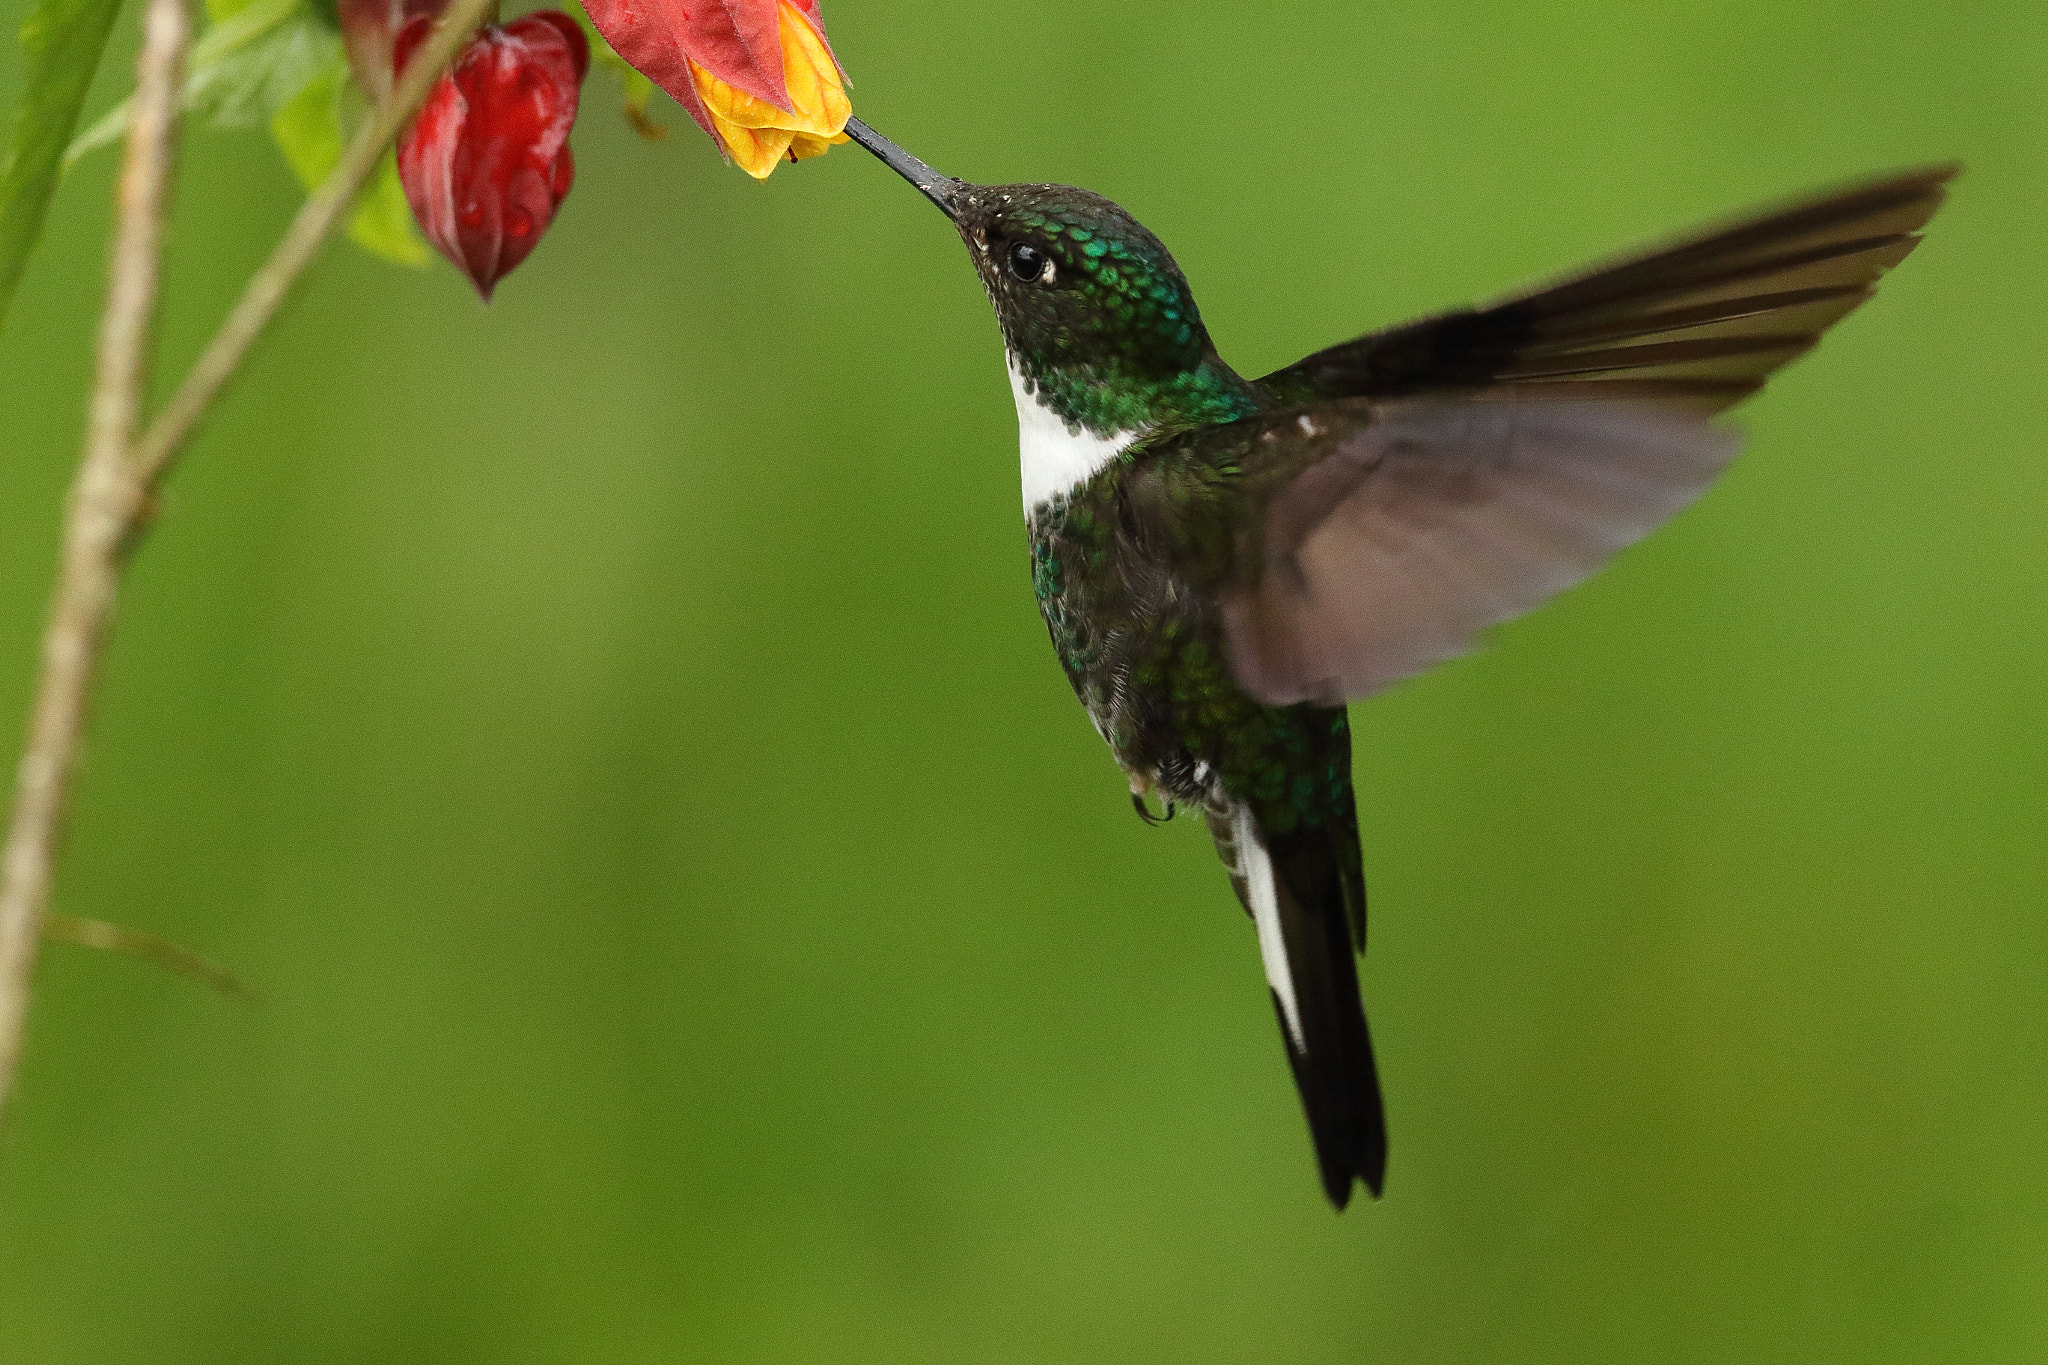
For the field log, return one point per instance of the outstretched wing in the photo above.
(1704, 320)
(1357, 544)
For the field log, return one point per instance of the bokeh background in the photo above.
(613, 729)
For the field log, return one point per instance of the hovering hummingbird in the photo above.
(1224, 562)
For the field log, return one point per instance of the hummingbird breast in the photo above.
(1124, 632)
(1145, 653)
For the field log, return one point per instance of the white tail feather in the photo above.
(1255, 869)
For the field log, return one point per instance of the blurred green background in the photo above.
(614, 730)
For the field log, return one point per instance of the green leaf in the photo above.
(268, 51)
(383, 219)
(61, 45)
(311, 130)
(306, 129)
(249, 63)
(275, 60)
(220, 11)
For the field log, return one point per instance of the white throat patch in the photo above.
(1055, 461)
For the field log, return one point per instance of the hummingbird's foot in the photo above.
(1138, 804)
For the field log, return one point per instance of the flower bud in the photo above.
(486, 163)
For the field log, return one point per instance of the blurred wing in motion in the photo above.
(1703, 321)
(1511, 450)
(1437, 519)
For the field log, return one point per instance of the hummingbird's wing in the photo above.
(1350, 545)
(1704, 320)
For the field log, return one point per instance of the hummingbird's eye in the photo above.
(1027, 262)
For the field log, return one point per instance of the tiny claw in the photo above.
(1138, 804)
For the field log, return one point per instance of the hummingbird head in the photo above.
(1100, 325)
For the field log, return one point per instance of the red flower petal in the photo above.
(735, 40)
(572, 34)
(486, 163)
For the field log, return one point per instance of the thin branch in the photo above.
(159, 446)
(172, 957)
(104, 500)
(118, 472)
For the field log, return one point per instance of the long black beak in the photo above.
(935, 187)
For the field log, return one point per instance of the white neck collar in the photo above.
(1054, 459)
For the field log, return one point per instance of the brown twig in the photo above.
(118, 473)
(135, 943)
(103, 503)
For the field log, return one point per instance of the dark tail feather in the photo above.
(1304, 892)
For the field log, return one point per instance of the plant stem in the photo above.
(103, 504)
(158, 449)
(114, 938)
(119, 472)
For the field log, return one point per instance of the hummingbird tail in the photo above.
(1305, 893)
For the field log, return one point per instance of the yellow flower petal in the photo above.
(758, 151)
(813, 77)
(804, 146)
(757, 133)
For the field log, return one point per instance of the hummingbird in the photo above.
(1223, 562)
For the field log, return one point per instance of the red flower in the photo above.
(756, 74)
(486, 163)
